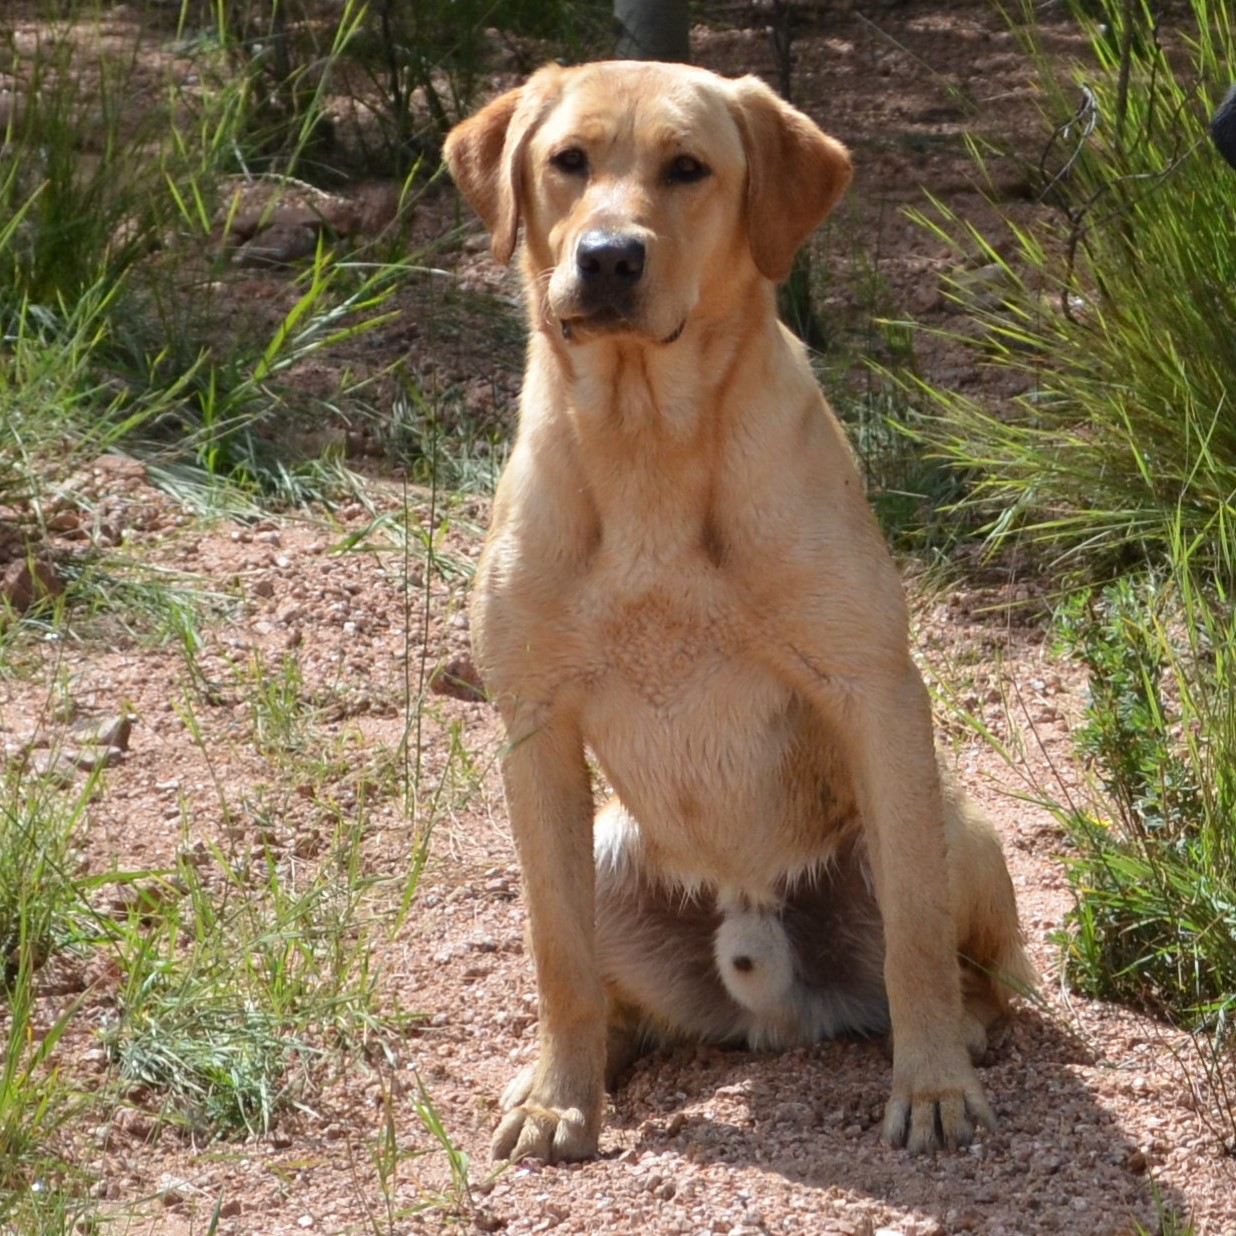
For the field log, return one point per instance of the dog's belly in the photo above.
(727, 772)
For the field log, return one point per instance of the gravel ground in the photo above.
(1104, 1115)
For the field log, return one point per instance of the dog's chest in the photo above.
(689, 726)
(659, 628)
(664, 648)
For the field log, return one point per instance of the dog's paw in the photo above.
(518, 1088)
(532, 1129)
(942, 1117)
(551, 1134)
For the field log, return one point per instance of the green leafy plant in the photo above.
(1154, 866)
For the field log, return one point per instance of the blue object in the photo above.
(1223, 127)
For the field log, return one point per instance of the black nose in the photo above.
(610, 258)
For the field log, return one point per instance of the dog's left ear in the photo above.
(795, 174)
(485, 156)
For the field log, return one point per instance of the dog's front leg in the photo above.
(881, 713)
(553, 1109)
(936, 1096)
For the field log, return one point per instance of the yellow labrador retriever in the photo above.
(682, 577)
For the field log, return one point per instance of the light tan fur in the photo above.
(682, 576)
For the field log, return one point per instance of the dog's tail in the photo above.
(756, 960)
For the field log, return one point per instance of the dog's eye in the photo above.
(572, 160)
(686, 170)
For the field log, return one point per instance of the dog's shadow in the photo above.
(1059, 1161)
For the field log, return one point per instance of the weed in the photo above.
(231, 994)
(436, 441)
(277, 705)
(390, 1159)
(458, 1197)
(35, 1104)
(42, 912)
(1170, 1222)
(116, 304)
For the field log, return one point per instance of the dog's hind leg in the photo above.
(994, 964)
(655, 951)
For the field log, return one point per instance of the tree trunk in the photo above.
(653, 29)
(794, 295)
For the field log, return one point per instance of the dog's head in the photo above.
(647, 192)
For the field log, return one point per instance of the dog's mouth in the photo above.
(574, 330)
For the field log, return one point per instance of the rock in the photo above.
(64, 521)
(984, 287)
(133, 1122)
(175, 1190)
(280, 245)
(112, 732)
(29, 582)
(459, 679)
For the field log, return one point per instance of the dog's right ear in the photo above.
(485, 156)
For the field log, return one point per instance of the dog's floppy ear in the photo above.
(795, 174)
(485, 155)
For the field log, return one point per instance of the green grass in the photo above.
(247, 969)
(117, 301)
(232, 986)
(243, 977)
(42, 913)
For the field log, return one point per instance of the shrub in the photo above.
(1153, 865)
(1115, 311)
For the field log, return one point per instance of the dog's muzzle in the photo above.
(609, 266)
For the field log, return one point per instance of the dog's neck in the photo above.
(644, 422)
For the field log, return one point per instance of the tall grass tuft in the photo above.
(42, 911)
(1114, 313)
(118, 302)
